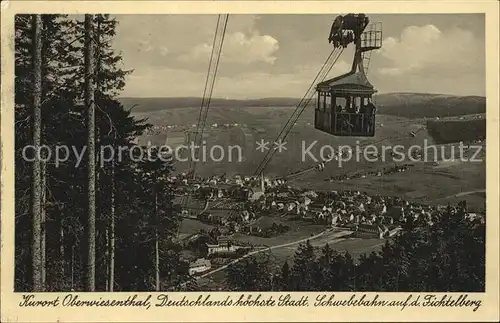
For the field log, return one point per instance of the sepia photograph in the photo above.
(194, 184)
(335, 152)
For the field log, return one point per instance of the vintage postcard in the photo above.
(263, 161)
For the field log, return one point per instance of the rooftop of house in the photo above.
(223, 239)
(200, 262)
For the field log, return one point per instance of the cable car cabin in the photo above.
(344, 106)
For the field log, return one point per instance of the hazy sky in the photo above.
(279, 55)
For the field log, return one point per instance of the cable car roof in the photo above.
(346, 82)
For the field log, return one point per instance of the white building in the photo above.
(199, 266)
(224, 245)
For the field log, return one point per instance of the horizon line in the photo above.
(291, 97)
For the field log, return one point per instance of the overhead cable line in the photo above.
(303, 103)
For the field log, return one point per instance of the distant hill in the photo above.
(157, 104)
(409, 105)
(421, 105)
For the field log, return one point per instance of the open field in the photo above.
(298, 230)
(190, 226)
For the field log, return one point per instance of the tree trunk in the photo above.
(37, 126)
(106, 255)
(97, 56)
(157, 251)
(90, 106)
(73, 266)
(112, 231)
(62, 260)
(43, 222)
